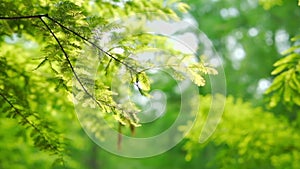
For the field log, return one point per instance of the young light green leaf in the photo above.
(296, 99)
(295, 38)
(211, 71)
(290, 50)
(293, 85)
(274, 100)
(41, 64)
(196, 78)
(143, 81)
(287, 94)
(290, 58)
(296, 80)
(183, 7)
(279, 69)
(273, 87)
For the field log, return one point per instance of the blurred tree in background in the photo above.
(249, 38)
(247, 137)
(259, 45)
(252, 37)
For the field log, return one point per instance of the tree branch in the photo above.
(74, 72)
(23, 17)
(67, 57)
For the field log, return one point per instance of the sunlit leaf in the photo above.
(143, 81)
(279, 69)
(196, 78)
(290, 58)
(183, 7)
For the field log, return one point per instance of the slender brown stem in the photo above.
(120, 136)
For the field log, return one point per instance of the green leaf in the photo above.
(287, 94)
(290, 50)
(42, 63)
(290, 58)
(274, 100)
(196, 78)
(274, 87)
(267, 4)
(143, 81)
(279, 69)
(296, 99)
(211, 71)
(183, 7)
(295, 80)
(293, 85)
(295, 38)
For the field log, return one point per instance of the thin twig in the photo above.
(22, 17)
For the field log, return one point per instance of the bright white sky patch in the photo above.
(186, 43)
(263, 85)
(253, 32)
(239, 53)
(282, 40)
(269, 38)
(229, 12)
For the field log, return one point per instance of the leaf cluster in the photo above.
(286, 84)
